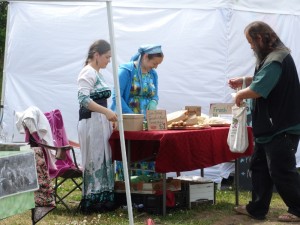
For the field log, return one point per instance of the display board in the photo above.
(20, 164)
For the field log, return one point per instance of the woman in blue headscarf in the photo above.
(138, 92)
(138, 81)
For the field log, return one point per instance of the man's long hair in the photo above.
(271, 41)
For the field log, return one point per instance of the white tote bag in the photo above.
(238, 134)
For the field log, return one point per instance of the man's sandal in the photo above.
(288, 217)
(242, 210)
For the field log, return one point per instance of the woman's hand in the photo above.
(111, 116)
(115, 125)
(152, 105)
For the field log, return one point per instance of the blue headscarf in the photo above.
(144, 49)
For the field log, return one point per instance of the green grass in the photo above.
(205, 214)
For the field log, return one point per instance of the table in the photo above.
(179, 150)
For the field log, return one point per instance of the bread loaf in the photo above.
(177, 116)
(192, 120)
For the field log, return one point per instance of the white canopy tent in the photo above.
(21, 23)
(203, 43)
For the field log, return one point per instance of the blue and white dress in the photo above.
(137, 102)
(94, 131)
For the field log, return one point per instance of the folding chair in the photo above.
(36, 127)
(46, 130)
(67, 167)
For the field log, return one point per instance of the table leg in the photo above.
(236, 181)
(164, 193)
(128, 159)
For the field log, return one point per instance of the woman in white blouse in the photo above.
(94, 130)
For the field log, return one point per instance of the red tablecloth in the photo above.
(179, 150)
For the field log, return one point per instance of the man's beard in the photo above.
(260, 54)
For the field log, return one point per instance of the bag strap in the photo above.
(244, 83)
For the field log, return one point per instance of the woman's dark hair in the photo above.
(151, 56)
(270, 39)
(100, 46)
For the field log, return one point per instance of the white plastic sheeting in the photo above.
(203, 43)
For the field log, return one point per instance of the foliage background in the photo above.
(3, 14)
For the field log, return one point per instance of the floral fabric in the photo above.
(44, 195)
(139, 99)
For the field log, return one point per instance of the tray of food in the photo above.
(184, 127)
(219, 124)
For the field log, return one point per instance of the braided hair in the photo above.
(100, 46)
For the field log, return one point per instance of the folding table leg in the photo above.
(236, 181)
(129, 158)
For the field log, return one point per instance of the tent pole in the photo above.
(119, 112)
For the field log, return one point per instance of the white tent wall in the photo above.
(46, 49)
(203, 43)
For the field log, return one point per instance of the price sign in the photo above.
(157, 119)
(193, 110)
(217, 109)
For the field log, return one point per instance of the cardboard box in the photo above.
(171, 184)
(133, 122)
(149, 188)
(199, 192)
(153, 203)
(120, 186)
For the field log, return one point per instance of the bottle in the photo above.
(145, 125)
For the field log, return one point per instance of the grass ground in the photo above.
(220, 213)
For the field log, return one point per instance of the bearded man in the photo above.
(275, 92)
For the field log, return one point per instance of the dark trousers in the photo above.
(274, 163)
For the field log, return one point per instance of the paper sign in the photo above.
(192, 110)
(216, 109)
(157, 119)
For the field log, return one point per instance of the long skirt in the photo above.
(98, 174)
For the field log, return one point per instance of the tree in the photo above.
(3, 16)
(3, 13)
